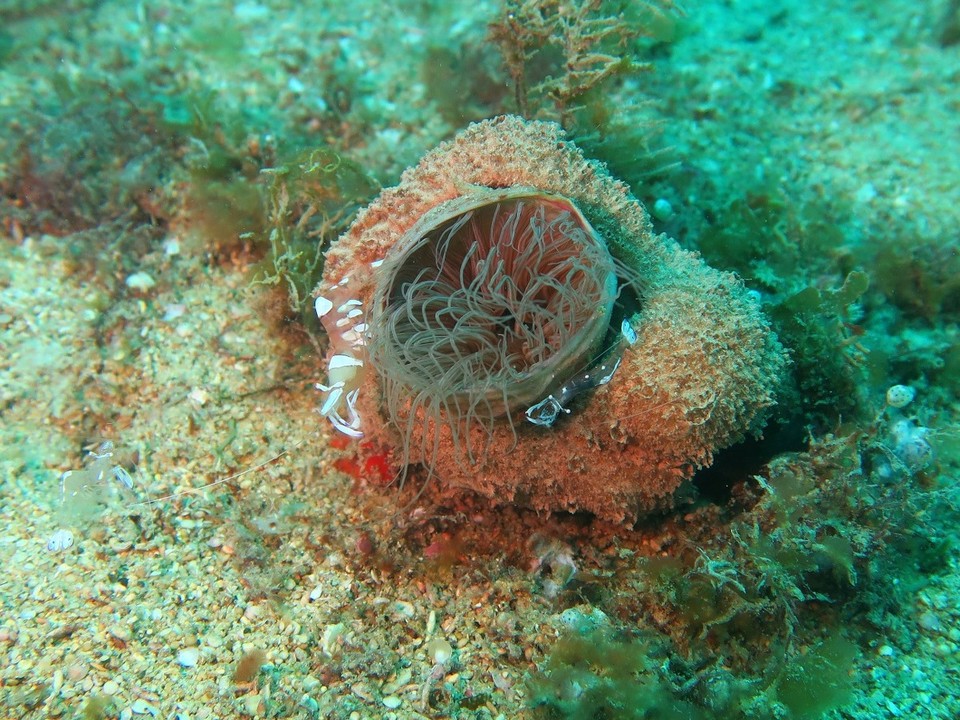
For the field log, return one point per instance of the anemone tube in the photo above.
(505, 270)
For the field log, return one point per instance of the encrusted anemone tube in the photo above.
(506, 318)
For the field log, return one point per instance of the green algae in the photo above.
(602, 674)
(774, 600)
(922, 278)
(767, 239)
(312, 200)
(820, 679)
(606, 674)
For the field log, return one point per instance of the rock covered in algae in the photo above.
(506, 273)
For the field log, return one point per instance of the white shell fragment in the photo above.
(140, 281)
(188, 657)
(142, 707)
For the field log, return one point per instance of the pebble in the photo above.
(899, 396)
(403, 609)
(392, 702)
(662, 209)
(439, 650)
(866, 193)
(929, 621)
(140, 281)
(331, 634)
(119, 633)
(251, 703)
(56, 684)
(402, 678)
(173, 311)
(142, 707)
(944, 649)
(110, 688)
(188, 657)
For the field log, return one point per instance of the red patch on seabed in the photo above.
(378, 464)
(349, 466)
(364, 465)
(340, 442)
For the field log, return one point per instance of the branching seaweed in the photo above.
(311, 201)
(556, 51)
(566, 61)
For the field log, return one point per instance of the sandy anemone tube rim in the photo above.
(489, 301)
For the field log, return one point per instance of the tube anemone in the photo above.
(467, 309)
(482, 308)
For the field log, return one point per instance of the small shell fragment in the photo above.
(188, 657)
(140, 281)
